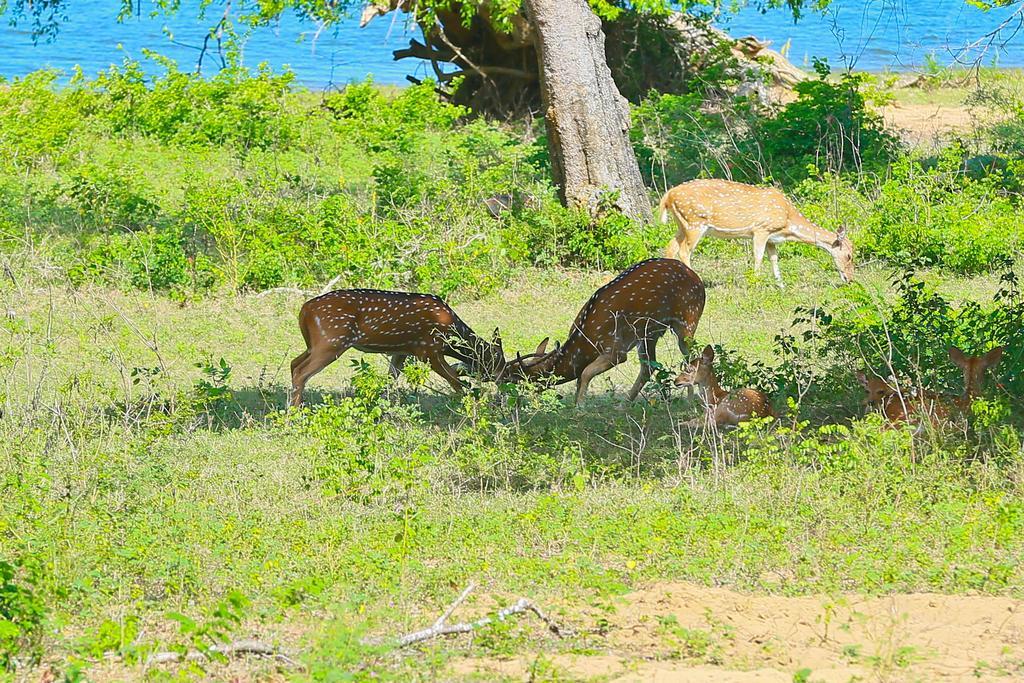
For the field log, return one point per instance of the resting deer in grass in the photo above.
(897, 405)
(633, 310)
(399, 324)
(726, 209)
(726, 408)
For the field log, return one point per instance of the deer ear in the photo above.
(542, 346)
(993, 357)
(957, 356)
(709, 353)
(558, 345)
(862, 378)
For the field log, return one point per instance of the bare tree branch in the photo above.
(234, 648)
(439, 628)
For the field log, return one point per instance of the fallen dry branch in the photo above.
(283, 290)
(298, 290)
(441, 628)
(232, 649)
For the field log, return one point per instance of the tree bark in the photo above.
(587, 118)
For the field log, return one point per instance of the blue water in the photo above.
(862, 34)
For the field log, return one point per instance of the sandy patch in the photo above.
(924, 122)
(683, 632)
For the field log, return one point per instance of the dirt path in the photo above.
(927, 123)
(682, 632)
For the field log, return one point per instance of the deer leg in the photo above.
(299, 359)
(317, 360)
(760, 244)
(648, 356)
(397, 363)
(691, 238)
(773, 257)
(684, 337)
(439, 365)
(673, 248)
(602, 363)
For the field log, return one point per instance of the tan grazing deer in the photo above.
(726, 408)
(722, 208)
(633, 310)
(898, 405)
(399, 324)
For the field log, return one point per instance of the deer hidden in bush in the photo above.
(898, 405)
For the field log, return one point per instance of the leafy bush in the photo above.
(160, 259)
(941, 217)
(36, 122)
(21, 614)
(829, 127)
(110, 197)
(681, 137)
(237, 106)
(911, 336)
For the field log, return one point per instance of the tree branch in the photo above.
(237, 647)
(420, 51)
(440, 628)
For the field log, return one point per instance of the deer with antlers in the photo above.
(724, 408)
(726, 209)
(633, 310)
(399, 324)
(898, 406)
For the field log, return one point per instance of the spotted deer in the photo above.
(399, 324)
(633, 310)
(725, 209)
(725, 408)
(898, 405)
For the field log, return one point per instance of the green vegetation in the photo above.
(156, 496)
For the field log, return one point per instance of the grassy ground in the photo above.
(145, 492)
(158, 498)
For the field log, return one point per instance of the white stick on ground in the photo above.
(440, 628)
(237, 647)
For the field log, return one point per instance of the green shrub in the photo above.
(110, 197)
(238, 106)
(36, 121)
(941, 217)
(829, 127)
(911, 336)
(21, 614)
(397, 125)
(154, 258)
(681, 137)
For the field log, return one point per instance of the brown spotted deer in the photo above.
(725, 408)
(633, 310)
(722, 208)
(399, 324)
(898, 405)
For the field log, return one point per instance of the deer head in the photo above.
(877, 388)
(518, 369)
(487, 359)
(699, 371)
(842, 254)
(974, 368)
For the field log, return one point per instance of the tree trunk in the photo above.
(587, 118)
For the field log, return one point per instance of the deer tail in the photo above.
(663, 208)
